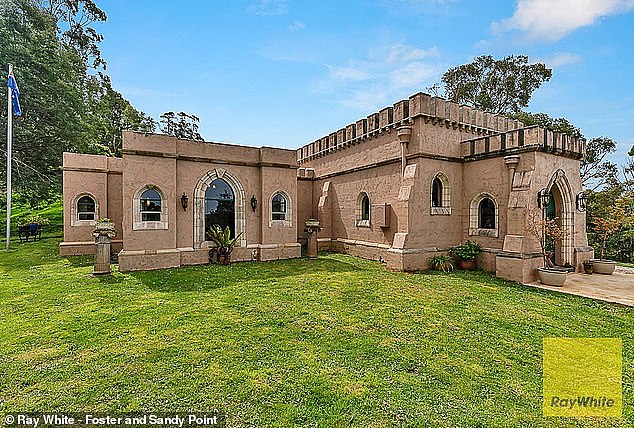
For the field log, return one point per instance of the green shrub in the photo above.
(441, 262)
(467, 251)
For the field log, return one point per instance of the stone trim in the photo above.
(137, 222)
(474, 217)
(74, 214)
(288, 221)
(100, 170)
(207, 160)
(199, 206)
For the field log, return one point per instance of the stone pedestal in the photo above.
(103, 233)
(312, 228)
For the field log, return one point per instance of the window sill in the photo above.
(363, 223)
(491, 233)
(280, 223)
(84, 223)
(440, 210)
(149, 225)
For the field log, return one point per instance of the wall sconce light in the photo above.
(582, 201)
(543, 198)
(184, 201)
(254, 203)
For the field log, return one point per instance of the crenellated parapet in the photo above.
(434, 110)
(523, 139)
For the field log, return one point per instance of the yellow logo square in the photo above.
(582, 377)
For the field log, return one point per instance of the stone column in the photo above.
(404, 134)
(103, 233)
(311, 228)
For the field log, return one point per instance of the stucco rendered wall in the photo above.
(100, 178)
(175, 167)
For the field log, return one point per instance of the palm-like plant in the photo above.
(223, 240)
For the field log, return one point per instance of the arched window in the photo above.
(220, 206)
(150, 204)
(440, 195)
(483, 216)
(363, 210)
(486, 214)
(278, 207)
(436, 193)
(86, 208)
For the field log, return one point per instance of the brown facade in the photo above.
(401, 185)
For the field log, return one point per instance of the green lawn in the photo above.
(338, 341)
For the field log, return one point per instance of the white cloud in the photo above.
(560, 59)
(348, 73)
(554, 19)
(269, 8)
(296, 26)
(387, 73)
(402, 53)
(412, 75)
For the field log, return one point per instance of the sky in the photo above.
(283, 73)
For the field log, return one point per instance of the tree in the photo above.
(77, 16)
(596, 172)
(50, 76)
(497, 86)
(619, 216)
(108, 114)
(628, 170)
(65, 107)
(180, 125)
(545, 230)
(559, 124)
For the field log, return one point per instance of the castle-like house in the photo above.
(401, 185)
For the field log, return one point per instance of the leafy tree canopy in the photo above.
(180, 125)
(497, 86)
(67, 105)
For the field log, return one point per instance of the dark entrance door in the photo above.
(551, 213)
(219, 206)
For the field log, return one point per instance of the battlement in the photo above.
(529, 138)
(433, 109)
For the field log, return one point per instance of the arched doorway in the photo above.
(560, 207)
(219, 207)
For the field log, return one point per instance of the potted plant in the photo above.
(441, 262)
(466, 254)
(104, 225)
(221, 253)
(604, 228)
(547, 230)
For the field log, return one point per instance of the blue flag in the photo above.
(15, 95)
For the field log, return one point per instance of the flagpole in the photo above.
(9, 144)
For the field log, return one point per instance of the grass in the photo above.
(338, 341)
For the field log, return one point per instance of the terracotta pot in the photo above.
(224, 259)
(467, 264)
(605, 267)
(552, 277)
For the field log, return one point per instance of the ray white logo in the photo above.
(587, 401)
